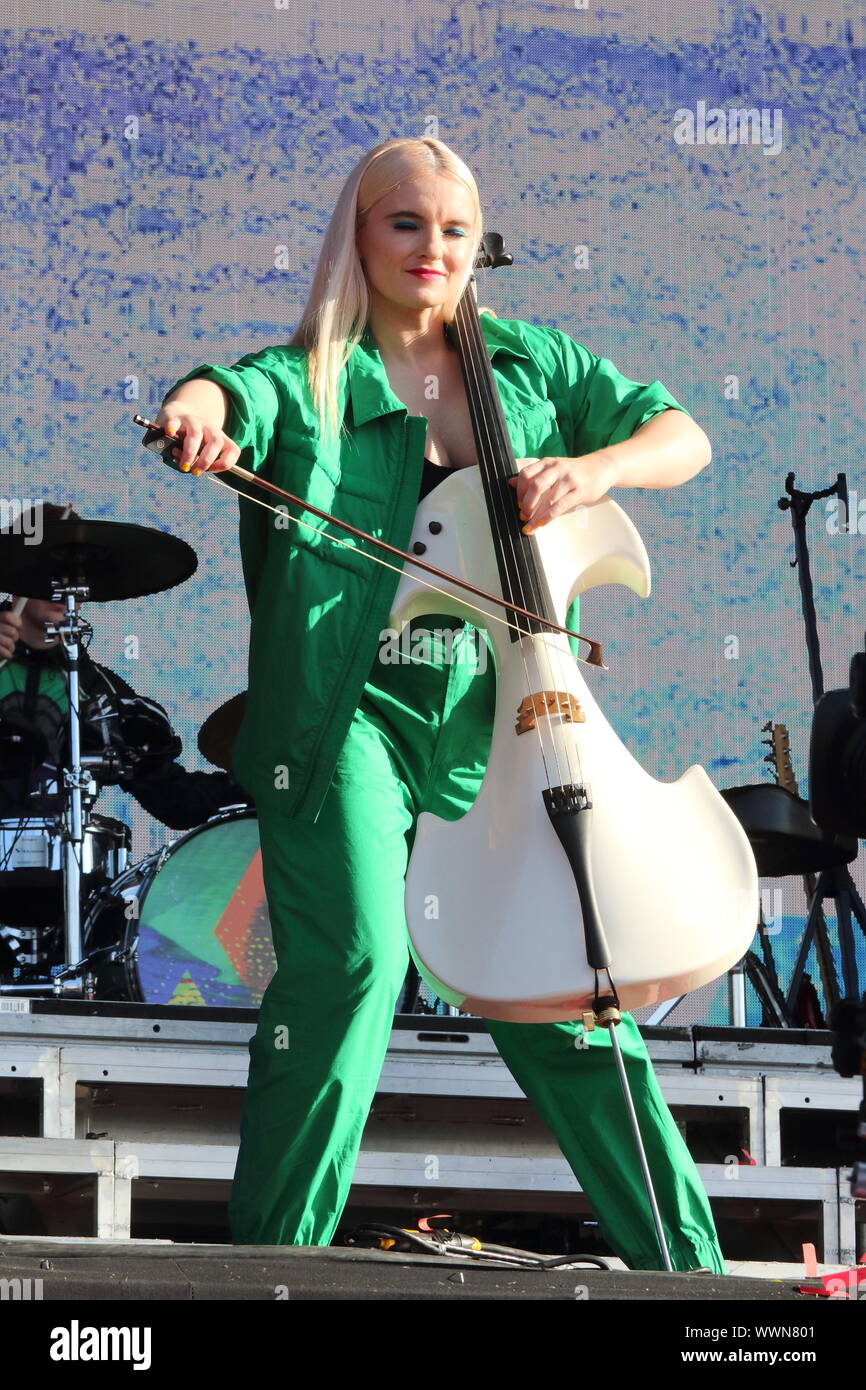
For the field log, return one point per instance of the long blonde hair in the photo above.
(336, 313)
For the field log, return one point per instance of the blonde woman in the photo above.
(341, 748)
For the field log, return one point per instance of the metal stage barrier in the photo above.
(108, 1110)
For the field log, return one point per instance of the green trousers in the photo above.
(419, 740)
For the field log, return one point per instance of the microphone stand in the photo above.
(835, 883)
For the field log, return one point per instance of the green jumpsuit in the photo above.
(417, 739)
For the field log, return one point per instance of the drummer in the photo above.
(33, 713)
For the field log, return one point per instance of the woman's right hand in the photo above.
(200, 447)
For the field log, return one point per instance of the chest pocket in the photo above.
(535, 431)
(349, 482)
(369, 467)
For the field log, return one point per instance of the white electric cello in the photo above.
(573, 860)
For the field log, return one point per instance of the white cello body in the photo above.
(494, 917)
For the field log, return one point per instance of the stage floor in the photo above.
(109, 1270)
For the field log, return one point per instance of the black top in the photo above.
(433, 474)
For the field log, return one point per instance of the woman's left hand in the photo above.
(550, 487)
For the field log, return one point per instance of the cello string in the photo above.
(477, 379)
(476, 353)
(472, 359)
(528, 556)
(504, 526)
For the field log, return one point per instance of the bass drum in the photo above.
(190, 925)
(191, 922)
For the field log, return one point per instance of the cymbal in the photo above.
(218, 732)
(114, 559)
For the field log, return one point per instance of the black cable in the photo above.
(511, 1256)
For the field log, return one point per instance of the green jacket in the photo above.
(318, 608)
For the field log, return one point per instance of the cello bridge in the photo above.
(548, 702)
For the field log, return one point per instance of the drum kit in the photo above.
(187, 924)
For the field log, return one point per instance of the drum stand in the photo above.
(68, 979)
(99, 561)
(76, 780)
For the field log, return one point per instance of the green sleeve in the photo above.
(595, 404)
(254, 406)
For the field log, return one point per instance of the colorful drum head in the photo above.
(204, 935)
